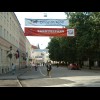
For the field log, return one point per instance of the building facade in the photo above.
(40, 55)
(28, 52)
(12, 42)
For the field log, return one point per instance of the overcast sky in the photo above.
(35, 40)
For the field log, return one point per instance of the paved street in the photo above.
(9, 80)
(60, 77)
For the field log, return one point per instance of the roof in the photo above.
(34, 47)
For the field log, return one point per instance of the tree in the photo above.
(88, 34)
(85, 45)
(54, 49)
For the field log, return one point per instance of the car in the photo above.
(73, 66)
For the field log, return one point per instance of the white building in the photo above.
(11, 39)
(40, 55)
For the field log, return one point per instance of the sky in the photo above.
(35, 40)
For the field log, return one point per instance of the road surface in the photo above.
(60, 77)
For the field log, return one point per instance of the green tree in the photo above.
(88, 34)
(84, 46)
(54, 49)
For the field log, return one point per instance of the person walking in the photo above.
(57, 65)
(13, 68)
(49, 69)
(36, 66)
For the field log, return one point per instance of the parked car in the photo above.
(73, 67)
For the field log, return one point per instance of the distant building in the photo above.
(39, 55)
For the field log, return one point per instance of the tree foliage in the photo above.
(85, 45)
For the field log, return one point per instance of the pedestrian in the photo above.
(36, 66)
(43, 63)
(31, 65)
(49, 69)
(57, 65)
(13, 68)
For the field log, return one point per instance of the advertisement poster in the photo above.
(46, 22)
(45, 31)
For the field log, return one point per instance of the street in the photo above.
(60, 77)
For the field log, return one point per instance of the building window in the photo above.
(7, 35)
(0, 30)
(4, 33)
(4, 14)
(0, 55)
(7, 23)
(10, 23)
(10, 37)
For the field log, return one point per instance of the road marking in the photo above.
(19, 83)
(41, 72)
(60, 85)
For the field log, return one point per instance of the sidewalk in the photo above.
(93, 69)
(9, 75)
(84, 68)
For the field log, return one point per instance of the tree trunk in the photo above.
(90, 63)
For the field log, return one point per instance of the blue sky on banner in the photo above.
(35, 40)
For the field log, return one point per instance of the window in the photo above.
(7, 23)
(0, 16)
(0, 55)
(4, 33)
(7, 35)
(7, 17)
(4, 14)
(10, 23)
(10, 37)
(0, 30)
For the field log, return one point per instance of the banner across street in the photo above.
(49, 32)
(46, 22)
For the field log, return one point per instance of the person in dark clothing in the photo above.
(13, 68)
(36, 66)
(57, 65)
(49, 69)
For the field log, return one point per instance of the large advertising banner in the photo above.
(46, 22)
(49, 32)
